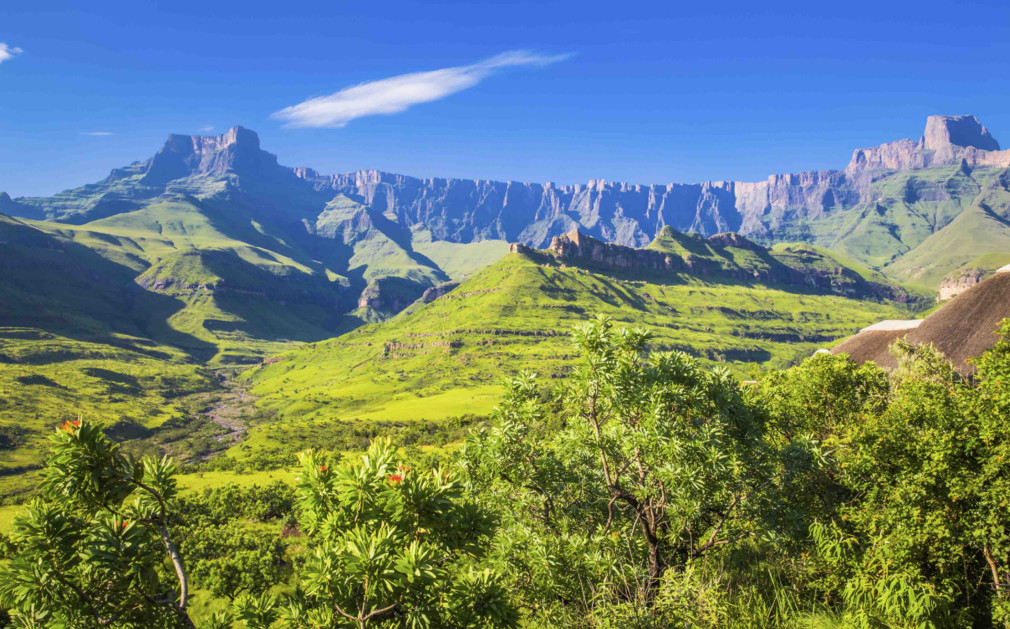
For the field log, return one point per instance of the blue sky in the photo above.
(631, 91)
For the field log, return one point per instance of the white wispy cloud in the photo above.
(207, 128)
(399, 93)
(97, 133)
(8, 52)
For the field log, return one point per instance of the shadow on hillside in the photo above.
(58, 286)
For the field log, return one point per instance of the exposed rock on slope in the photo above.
(971, 274)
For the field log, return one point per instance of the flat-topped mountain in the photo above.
(946, 140)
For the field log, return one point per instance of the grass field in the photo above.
(450, 356)
(46, 379)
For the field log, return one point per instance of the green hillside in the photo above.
(977, 230)
(46, 379)
(897, 212)
(448, 357)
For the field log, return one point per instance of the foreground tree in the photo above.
(640, 468)
(95, 550)
(388, 546)
(924, 540)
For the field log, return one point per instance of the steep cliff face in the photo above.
(783, 207)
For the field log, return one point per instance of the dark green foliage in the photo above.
(91, 551)
(659, 465)
(392, 546)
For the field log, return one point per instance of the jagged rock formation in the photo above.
(722, 257)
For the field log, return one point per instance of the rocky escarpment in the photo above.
(725, 256)
(462, 210)
(575, 246)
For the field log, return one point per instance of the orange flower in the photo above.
(615, 534)
(323, 469)
(124, 524)
(395, 478)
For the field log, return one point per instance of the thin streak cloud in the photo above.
(399, 93)
(97, 133)
(8, 52)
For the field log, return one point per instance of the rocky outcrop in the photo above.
(435, 292)
(389, 295)
(237, 151)
(952, 286)
(577, 246)
(711, 258)
(731, 239)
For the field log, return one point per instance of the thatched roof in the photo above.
(963, 328)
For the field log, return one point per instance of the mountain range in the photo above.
(884, 204)
(384, 297)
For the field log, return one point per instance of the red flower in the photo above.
(124, 524)
(68, 426)
(395, 478)
(323, 469)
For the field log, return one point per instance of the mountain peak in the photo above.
(946, 140)
(965, 131)
(235, 151)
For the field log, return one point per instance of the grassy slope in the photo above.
(906, 208)
(459, 260)
(157, 243)
(46, 379)
(449, 357)
(973, 232)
